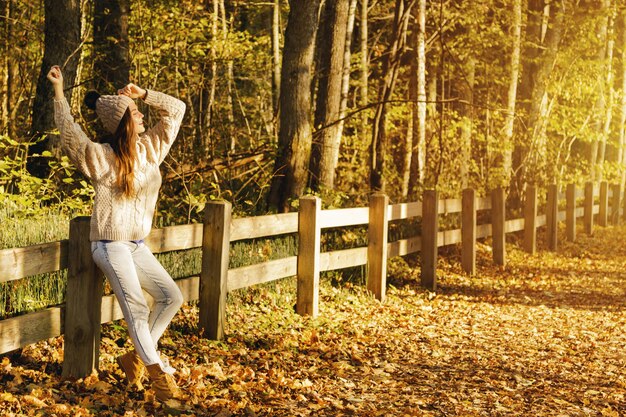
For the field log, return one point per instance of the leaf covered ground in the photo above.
(543, 336)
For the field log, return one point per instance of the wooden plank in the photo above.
(404, 211)
(344, 217)
(450, 205)
(468, 231)
(345, 258)
(262, 226)
(185, 236)
(404, 246)
(514, 225)
(589, 206)
(377, 245)
(214, 273)
(541, 220)
(430, 229)
(84, 295)
(580, 212)
(483, 230)
(30, 328)
(552, 209)
(483, 203)
(309, 237)
(449, 237)
(247, 276)
(570, 212)
(530, 220)
(498, 218)
(603, 216)
(17, 263)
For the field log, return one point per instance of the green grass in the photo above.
(37, 292)
(40, 291)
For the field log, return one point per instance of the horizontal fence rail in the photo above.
(218, 231)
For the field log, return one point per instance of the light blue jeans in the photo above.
(131, 267)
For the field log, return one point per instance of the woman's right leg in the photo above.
(116, 262)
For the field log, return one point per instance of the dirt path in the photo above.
(544, 336)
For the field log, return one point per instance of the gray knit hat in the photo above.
(110, 109)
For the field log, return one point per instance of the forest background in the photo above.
(338, 98)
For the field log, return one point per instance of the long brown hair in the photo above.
(123, 142)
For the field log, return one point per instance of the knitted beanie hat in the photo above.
(109, 108)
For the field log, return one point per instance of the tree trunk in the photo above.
(609, 95)
(229, 81)
(210, 99)
(622, 124)
(418, 109)
(363, 93)
(391, 64)
(507, 151)
(466, 94)
(345, 80)
(544, 30)
(276, 55)
(295, 137)
(61, 47)
(326, 144)
(5, 6)
(431, 128)
(601, 105)
(110, 37)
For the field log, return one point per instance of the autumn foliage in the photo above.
(542, 337)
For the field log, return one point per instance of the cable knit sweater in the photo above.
(115, 216)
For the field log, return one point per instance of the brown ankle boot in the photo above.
(133, 368)
(163, 384)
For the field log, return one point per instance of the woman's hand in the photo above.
(133, 91)
(55, 76)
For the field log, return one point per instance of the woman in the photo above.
(124, 170)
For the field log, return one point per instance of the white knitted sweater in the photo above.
(115, 216)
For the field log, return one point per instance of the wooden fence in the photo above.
(79, 319)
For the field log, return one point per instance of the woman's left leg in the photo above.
(157, 282)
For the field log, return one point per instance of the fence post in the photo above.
(552, 213)
(588, 219)
(624, 206)
(214, 274)
(604, 204)
(377, 246)
(570, 212)
(615, 203)
(430, 229)
(82, 306)
(468, 231)
(309, 235)
(498, 219)
(530, 220)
